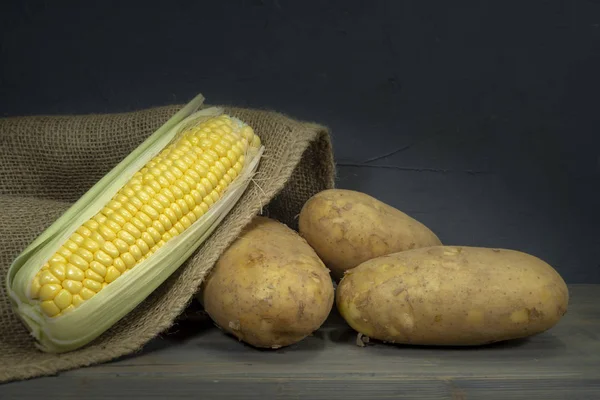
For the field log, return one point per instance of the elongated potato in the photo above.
(269, 288)
(346, 228)
(448, 295)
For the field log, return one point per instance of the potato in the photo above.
(346, 228)
(449, 295)
(269, 288)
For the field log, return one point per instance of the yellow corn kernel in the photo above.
(179, 227)
(103, 258)
(58, 270)
(98, 238)
(128, 259)
(71, 246)
(154, 233)
(57, 258)
(85, 254)
(73, 287)
(177, 192)
(255, 141)
(111, 274)
(90, 245)
(143, 246)
(149, 211)
(106, 232)
(46, 277)
(126, 237)
(117, 218)
(170, 214)
(177, 211)
(74, 273)
(63, 299)
(132, 230)
(92, 285)
(77, 239)
(110, 249)
(138, 223)
(113, 226)
(97, 268)
(135, 251)
(48, 291)
(191, 217)
(84, 231)
(164, 222)
(35, 288)
(49, 308)
(119, 264)
(183, 186)
(86, 293)
(184, 222)
(89, 274)
(147, 238)
(121, 245)
(91, 224)
(77, 300)
(199, 210)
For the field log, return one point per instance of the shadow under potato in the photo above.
(230, 346)
(544, 342)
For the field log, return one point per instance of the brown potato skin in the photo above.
(347, 227)
(451, 295)
(269, 288)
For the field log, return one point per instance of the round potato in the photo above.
(448, 295)
(269, 288)
(346, 228)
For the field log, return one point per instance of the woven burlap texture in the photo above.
(47, 162)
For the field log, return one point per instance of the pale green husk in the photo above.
(93, 317)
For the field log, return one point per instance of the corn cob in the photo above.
(133, 228)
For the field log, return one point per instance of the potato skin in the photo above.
(347, 227)
(450, 295)
(269, 288)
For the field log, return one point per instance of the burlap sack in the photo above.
(47, 162)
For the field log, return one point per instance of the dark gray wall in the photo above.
(490, 110)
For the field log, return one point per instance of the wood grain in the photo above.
(198, 360)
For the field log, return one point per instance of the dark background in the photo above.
(490, 110)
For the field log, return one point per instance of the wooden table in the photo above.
(563, 363)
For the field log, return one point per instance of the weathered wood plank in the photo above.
(343, 387)
(199, 360)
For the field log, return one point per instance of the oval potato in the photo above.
(346, 228)
(449, 295)
(269, 288)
